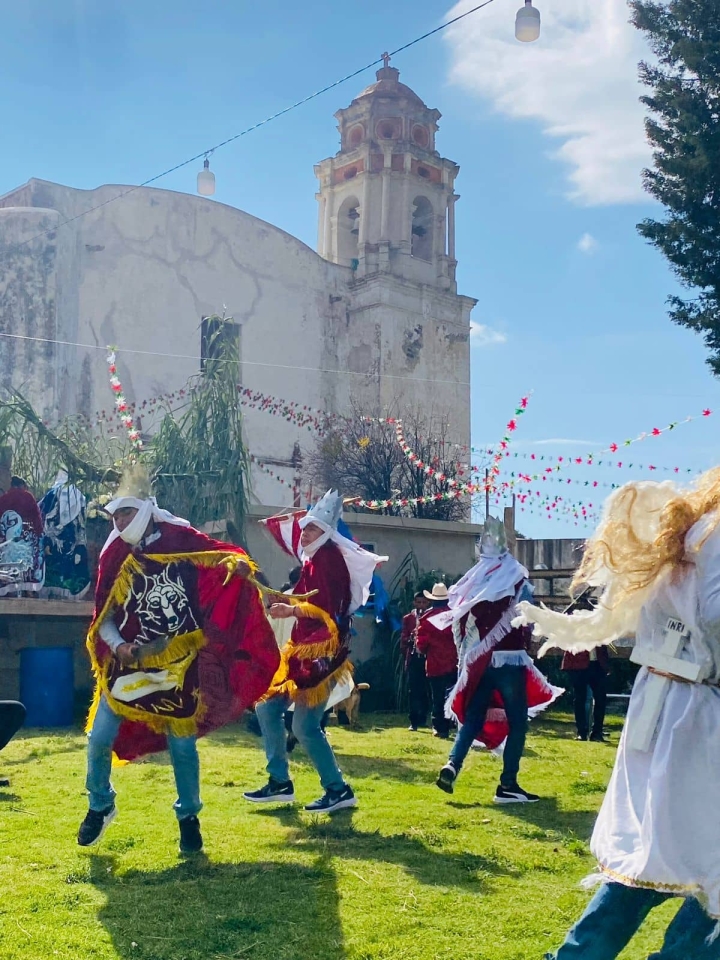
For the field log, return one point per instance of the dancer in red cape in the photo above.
(498, 686)
(180, 645)
(314, 670)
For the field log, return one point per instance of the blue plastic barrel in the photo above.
(47, 683)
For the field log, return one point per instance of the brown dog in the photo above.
(351, 705)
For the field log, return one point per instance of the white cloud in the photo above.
(579, 81)
(483, 336)
(587, 244)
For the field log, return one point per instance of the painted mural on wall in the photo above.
(22, 561)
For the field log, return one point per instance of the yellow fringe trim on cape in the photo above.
(281, 682)
(178, 648)
(320, 693)
(208, 558)
(130, 568)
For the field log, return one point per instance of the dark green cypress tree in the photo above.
(684, 130)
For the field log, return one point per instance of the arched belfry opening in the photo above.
(421, 244)
(348, 230)
(387, 198)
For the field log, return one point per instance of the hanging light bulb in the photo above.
(527, 23)
(206, 180)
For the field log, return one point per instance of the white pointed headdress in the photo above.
(493, 542)
(360, 563)
(326, 513)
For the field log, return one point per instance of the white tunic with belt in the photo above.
(659, 825)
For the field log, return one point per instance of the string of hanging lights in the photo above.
(527, 30)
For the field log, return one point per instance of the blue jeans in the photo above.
(615, 914)
(509, 681)
(306, 727)
(183, 754)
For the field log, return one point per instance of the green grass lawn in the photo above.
(411, 873)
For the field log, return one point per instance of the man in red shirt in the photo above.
(415, 663)
(437, 645)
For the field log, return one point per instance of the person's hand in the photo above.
(281, 611)
(127, 653)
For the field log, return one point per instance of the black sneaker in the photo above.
(581, 736)
(598, 738)
(333, 800)
(94, 825)
(274, 791)
(446, 778)
(191, 840)
(514, 794)
(413, 728)
(4, 782)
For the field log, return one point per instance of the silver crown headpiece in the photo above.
(327, 511)
(493, 542)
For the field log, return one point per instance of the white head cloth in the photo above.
(147, 510)
(609, 621)
(491, 579)
(360, 563)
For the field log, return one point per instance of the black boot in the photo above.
(191, 840)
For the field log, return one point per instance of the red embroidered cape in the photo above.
(227, 660)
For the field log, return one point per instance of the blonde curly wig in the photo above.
(640, 539)
(643, 531)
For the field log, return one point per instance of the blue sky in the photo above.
(548, 137)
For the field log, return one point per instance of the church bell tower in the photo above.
(387, 198)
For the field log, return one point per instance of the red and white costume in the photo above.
(314, 665)
(482, 607)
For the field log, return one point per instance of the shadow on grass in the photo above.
(200, 910)
(563, 727)
(60, 744)
(549, 817)
(413, 850)
(376, 768)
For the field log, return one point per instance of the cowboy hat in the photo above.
(439, 592)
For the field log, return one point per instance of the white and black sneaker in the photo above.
(274, 791)
(446, 778)
(514, 794)
(94, 825)
(333, 800)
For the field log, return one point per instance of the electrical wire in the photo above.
(246, 363)
(260, 123)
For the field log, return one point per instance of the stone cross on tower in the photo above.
(385, 57)
(667, 661)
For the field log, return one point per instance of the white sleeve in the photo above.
(110, 633)
(708, 567)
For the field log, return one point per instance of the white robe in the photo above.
(659, 825)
